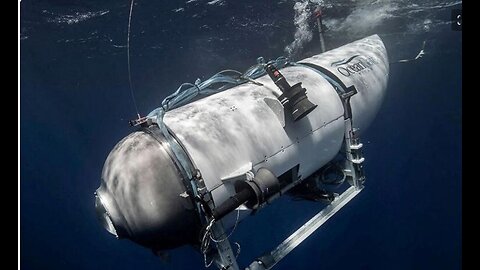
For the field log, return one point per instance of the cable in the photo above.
(205, 244)
(239, 249)
(207, 236)
(420, 54)
(128, 60)
(231, 232)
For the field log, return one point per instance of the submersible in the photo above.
(196, 170)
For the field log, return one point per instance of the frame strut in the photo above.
(295, 239)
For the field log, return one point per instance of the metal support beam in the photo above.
(269, 260)
(225, 259)
(318, 15)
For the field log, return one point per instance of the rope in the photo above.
(128, 60)
(231, 232)
(207, 236)
(239, 249)
(205, 244)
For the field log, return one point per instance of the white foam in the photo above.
(216, 2)
(76, 17)
(178, 9)
(363, 17)
(303, 33)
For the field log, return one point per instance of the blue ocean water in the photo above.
(75, 106)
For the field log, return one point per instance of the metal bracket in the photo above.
(244, 173)
(355, 159)
(277, 108)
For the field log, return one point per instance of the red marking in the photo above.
(276, 73)
(317, 13)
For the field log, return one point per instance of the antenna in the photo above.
(318, 15)
(128, 61)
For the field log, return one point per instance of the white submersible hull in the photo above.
(245, 143)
